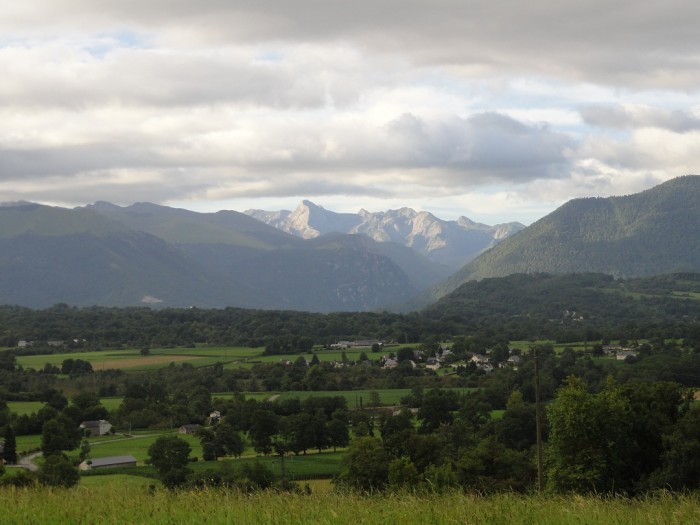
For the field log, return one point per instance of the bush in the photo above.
(21, 478)
(58, 471)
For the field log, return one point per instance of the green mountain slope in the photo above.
(54, 255)
(649, 233)
(28, 218)
(178, 226)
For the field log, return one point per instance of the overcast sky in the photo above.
(496, 110)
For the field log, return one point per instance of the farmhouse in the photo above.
(624, 354)
(214, 416)
(513, 361)
(96, 428)
(113, 461)
(432, 363)
(189, 429)
(359, 343)
(390, 363)
(479, 359)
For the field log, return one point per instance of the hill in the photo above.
(650, 233)
(572, 302)
(50, 255)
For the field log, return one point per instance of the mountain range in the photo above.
(452, 243)
(146, 254)
(151, 255)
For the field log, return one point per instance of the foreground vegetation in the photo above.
(437, 408)
(137, 505)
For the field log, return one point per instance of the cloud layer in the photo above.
(499, 110)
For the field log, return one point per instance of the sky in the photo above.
(494, 110)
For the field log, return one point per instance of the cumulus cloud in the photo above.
(507, 106)
(632, 117)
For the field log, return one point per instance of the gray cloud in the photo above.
(632, 117)
(641, 43)
(490, 144)
(174, 99)
(408, 150)
(65, 76)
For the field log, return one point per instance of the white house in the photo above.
(96, 428)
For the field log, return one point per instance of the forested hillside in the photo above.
(649, 233)
(516, 307)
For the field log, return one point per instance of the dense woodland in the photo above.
(609, 426)
(518, 307)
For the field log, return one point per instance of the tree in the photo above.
(59, 434)
(265, 425)
(170, 455)
(297, 432)
(404, 354)
(9, 453)
(437, 409)
(337, 433)
(58, 471)
(366, 465)
(681, 456)
(228, 440)
(588, 434)
(84, 450)
(403, 473)
(489, 467)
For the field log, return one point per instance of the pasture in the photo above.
(132, 360)
(231, 357)
(135, 445)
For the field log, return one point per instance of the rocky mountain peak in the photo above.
(452, 243)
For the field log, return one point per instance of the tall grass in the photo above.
(130, 504)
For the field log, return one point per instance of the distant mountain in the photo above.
(148, 254)
(649, 233)
(452, 243)
(178, 226)
(50, 255)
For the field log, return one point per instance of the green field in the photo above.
(230, 357)
(31, 407)
(136, 445)
(131, 359)
(133, 503)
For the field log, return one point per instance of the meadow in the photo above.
(133, 502)
(132, 360)
(230, 357)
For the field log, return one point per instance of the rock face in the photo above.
(452, 243)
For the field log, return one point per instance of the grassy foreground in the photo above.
(137, 505)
